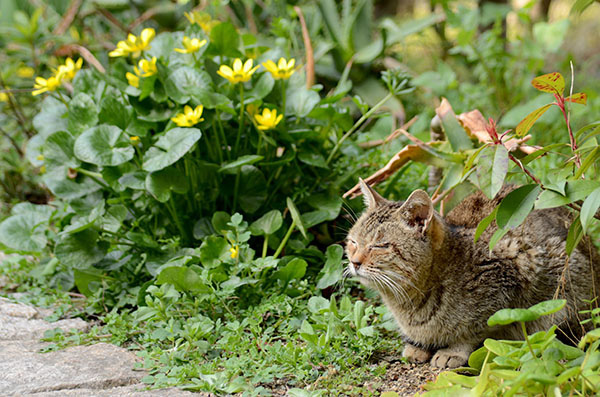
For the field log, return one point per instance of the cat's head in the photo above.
(393, 243)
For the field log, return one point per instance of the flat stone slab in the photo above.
(19, 321)
(102, 370)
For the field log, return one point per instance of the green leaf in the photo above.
(575, 190)
(492, 169)
(261, 88)
(497, 347)
(85, 279)
(515, 207)
(233, 166)
(296, 216)
(183, 279)
(370, 52)
(213, 251)
(202, 228)
(574, 236)
(333, 24)
(300, 101)
(295, 269)
(80, 250)
(134, 180)
(114, 111)
(161, 183)
(554, 83)
(333, 269)
(83, 113)
(313, 158)
(24, 232)
(458, 138)
(253, 187)
(104, 145)
(183, 83)
(224, 40)
(61, 186)
(525, 125)
(589, 208)
(164, 44)
(483, 225)
(50, 119)
(170, 147)
(58, 150)
(497, 236)
(509, 316)
(220, 220)
(209, 99)
(548, 307)
(267, 224)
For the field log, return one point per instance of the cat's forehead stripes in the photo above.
(380, 216)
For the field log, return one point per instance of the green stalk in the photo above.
(527, 339)
(283, 97)
(225, 144)
(285, 239)
(96, 176)
(173, 211)
(236, 188)
(240, 121)
(218, 142)
(259, 142)
(357, 125)
(265, 246)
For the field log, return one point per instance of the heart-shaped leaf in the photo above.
(509, 316)
(170, 147)
(161, 183)
(24, 232)
(104, 145)
(83, 113)
(548, 307)
(80, 250)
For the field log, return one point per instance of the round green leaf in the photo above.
(170, 147)
(161, 183)
(24, 232)
(300, 101)
(224, 40)
(104, 145)
(182, 278)
(269, 223)
(83, 113)
(548, 307)
(509, 316)
(182, 83)
(80, 250)
(253, 188)
(114, 110)
(50, 119)
(58, 149)
(262, 87)
(213, 251)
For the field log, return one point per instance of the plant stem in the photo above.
(265, 246)
(236, 188)
(283, 97)
(96, 176)
(285, 239)
(225, 145)
(240, 121)
(173, 211)
(357, 125)
(527, 339)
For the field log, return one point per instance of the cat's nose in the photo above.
(356, 264)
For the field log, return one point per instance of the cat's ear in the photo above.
(418, 210)
(371, 197)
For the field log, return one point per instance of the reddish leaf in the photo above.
(580, 97)
(526, 124)
(553, 83)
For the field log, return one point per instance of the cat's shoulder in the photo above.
(470, 211)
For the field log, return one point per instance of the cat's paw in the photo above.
(415, 355)
(447, 358)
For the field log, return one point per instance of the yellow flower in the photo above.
(69, 69)
(235, 251)
(40, 157)
(3, 97)
(239, 73)
(25, 72)
(252, 109)
(134, 45)
(283, 70)
(43, 169)
(269, 119)
(147, 67)
(135, 140)
(191, 45)
(189, 117)
(133, 79)
(201, 18)
(43, 85)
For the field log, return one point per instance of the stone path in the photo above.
(102, 370)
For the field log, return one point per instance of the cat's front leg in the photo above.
(453, 356)
(415, 354)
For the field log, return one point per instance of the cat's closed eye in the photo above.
(380, 246)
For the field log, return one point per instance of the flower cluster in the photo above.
(189, 117)
(146, 68)
(134, 45)
(65, 72)
(202, 19)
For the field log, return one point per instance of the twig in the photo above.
(12, 141)
(143, 18)
(112, 19)
(310, 60)
(16, 108)
(68, 18)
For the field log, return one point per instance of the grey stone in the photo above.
(102, 366)
(126, 391)
(19, 321)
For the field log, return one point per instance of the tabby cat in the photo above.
(441, 286)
